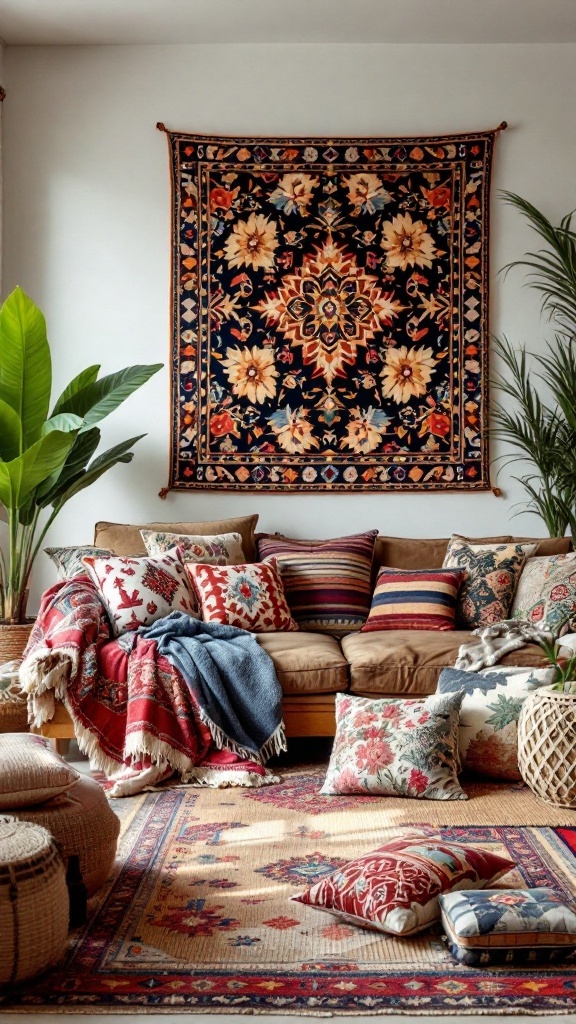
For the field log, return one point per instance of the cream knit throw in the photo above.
(491, 643)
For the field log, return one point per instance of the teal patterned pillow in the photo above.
(491, 574)
(508, 926)
(68, 561)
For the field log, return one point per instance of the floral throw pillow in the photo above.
(396, 747)
(491, 704)
(395, 888)
(248, 596)
(508, 926)
(546, 594)
(68, 561)
(137, 591)
(491, 574)
(216, 549)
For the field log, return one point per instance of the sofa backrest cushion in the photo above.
(125, 539)
(412, 553)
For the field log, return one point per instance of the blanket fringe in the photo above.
(217, 778)
(275, 744)
(141, 744)
(88, 744)
(44, 677)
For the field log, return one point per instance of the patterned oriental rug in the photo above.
(198, 916)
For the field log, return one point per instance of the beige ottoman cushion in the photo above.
(83, 823)
(30, 771)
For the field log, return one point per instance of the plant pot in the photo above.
(13, 703)
(13, 639)
(547, 745)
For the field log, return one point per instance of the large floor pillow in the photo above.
(491, 705)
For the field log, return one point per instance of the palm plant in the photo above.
(46, 457)
(541, 425)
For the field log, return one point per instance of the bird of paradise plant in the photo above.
(541, 425)
(46, 455)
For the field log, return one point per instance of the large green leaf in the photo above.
(10, 432)
(98, 400)
(81, 381)
(78, 458)
(96, 469)
(25, 365)
(19, 477)
(64, 421)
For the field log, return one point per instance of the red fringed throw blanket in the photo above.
(133, 713)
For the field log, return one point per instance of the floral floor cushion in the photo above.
(491, 575)
(491, 703)
(396, 747)
(395, 888)
(508, 926)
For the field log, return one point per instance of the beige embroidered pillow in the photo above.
(212, 549)
(30, 772)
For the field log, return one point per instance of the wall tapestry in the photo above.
(330, 306)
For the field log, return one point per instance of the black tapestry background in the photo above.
(330, 302)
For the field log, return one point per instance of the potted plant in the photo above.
(47, 454)
(541, 424)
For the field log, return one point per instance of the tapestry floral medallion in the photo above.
(330, 313)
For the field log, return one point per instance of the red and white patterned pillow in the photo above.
(137, 591)
(248, 596)
(395, 888)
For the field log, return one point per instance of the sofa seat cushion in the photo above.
(306, 662)
(408, 662)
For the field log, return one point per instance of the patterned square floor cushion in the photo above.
(491, 704)
(396, 747)
(216, 549)
(414, 599)
(68, 561)
(508, 926)
(137, 591)
(395, 888)
(248, 596)
(328, 584)
(491, 574)
(546, 593)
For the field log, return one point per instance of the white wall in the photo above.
(87, 225)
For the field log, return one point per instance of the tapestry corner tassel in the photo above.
(330, 304)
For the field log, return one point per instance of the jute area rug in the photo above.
(198, 918)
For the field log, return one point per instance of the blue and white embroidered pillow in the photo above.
(488, 728)
(508, 926)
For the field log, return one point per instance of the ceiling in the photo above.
(77, 22)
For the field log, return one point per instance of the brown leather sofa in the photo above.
(313, 667)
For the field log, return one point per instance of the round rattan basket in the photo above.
(547, 745)
(34, 906)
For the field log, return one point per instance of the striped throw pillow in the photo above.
(327, 583)
(414, 599)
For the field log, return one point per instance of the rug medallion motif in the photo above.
(198, 918)
(330, 304)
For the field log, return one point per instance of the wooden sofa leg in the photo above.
(61, 746)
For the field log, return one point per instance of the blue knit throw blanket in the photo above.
(231, 677)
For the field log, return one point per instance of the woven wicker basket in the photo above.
(13, 640)
(547, 745)
(33, 901)
(13, 705)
